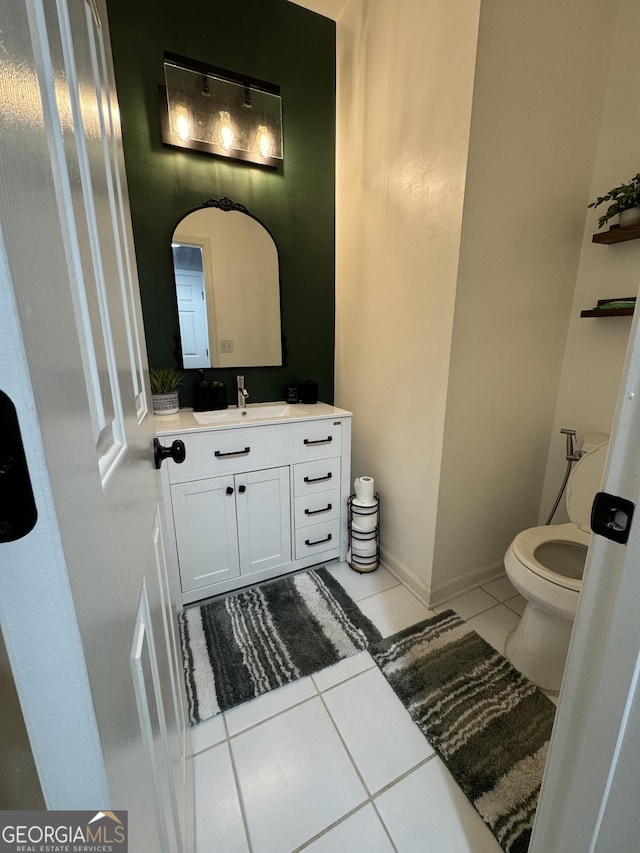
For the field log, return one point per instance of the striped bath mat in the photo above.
(237, 647)
(489, 724)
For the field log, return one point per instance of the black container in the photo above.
(291, 393)
(201, 394)
(308, 392)
(218, 396)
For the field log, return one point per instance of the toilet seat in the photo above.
(526, 543)
(584, 482)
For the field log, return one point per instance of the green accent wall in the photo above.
(272, 40)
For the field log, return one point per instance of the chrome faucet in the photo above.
(242, 392)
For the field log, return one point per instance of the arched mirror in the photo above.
(227, 287)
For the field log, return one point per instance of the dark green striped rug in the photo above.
(241, 646)
(489, 724)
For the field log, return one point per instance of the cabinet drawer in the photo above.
(320, 476)
(317, 539)
(227, 451)
(316, 439)
(317, 508)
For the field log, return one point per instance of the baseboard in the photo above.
(465, 583)
(435, 596)
(418, 587)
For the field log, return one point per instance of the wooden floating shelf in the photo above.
(616, 234)
(610, 312)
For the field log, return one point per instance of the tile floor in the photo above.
(333, 762)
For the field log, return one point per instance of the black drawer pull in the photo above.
(318, 479)
(327, 440)
(229, 490)
(316, 511)
(220, 455)
(319, 541)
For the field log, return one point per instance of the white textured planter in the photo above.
(165, 404)
(630, 217)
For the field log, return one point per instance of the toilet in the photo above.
(545, 564)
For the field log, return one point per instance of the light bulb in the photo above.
(226, 130)
(264, 141)
(183, 125)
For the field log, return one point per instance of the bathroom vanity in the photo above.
(262, 491)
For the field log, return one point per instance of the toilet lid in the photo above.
(585, 480)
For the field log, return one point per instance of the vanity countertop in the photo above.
(255, 414)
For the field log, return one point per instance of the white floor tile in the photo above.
(248, 714)
(393, 610)
(517, 604)
(219, 823)
(383, 740)
(361, 586)
(360, 833)
(469, 604)
(341, 671)
(494, 625)
(502, 589)
(428, 811)
(295, 778)
(207, 734)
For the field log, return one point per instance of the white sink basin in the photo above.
(253, 412)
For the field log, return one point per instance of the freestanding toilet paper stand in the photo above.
(364, 533)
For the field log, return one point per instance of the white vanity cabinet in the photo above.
(253, 500)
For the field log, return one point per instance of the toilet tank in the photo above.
(586, 478)
(591, 440)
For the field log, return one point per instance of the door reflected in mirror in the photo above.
(227, 288)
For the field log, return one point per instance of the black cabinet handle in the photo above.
(229, 490)
(220, 455)
(316, 511)
(318, 479)
(177, 452)
(327, 440)
(242, 489)
(318, 541)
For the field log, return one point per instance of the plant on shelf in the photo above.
(624, 197)
(164, 389)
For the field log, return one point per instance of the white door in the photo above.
(206, 526)
(589, 799)
(85, 602)
(192, 306)
(264, 519)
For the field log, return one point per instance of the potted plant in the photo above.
(164, 389)
(625, 201)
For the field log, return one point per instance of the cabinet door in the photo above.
(264, 519)
(204, 514)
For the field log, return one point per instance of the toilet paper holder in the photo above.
(364, 534)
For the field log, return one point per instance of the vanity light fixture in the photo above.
(206, 109)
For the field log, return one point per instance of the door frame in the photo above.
(585, 801)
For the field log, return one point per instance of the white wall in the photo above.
(595, 349)
(405, 81)
(537, 108)
(451, 331)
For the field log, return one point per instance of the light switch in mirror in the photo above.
(227, 288)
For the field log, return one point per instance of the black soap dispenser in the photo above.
(201, 394)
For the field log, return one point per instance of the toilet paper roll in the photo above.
(363, 487)
(365, 523)
(363, 548)
(364, 564)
